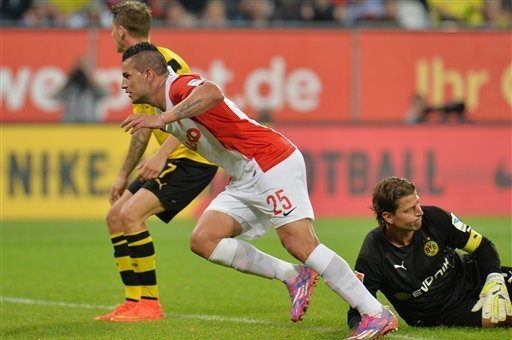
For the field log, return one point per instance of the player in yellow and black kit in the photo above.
(167, 182)
(411, 259)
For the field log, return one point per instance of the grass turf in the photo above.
(57, 275)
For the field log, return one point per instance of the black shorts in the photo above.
(179, 183)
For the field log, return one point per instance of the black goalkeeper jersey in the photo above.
(426, 280)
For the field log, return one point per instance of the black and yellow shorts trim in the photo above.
(179, 183)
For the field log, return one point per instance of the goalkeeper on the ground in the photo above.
(412, 259)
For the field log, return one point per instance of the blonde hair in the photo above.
(134, 16)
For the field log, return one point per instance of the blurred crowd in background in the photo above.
(408, 14)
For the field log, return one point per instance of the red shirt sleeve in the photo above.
(182, 86)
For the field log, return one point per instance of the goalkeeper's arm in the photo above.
(486, 256)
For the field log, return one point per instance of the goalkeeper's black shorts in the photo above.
(179, 183)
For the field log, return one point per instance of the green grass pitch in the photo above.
(57, 275)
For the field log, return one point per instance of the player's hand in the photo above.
(117, 189)
(494, 299)
(151, 167)
(135, 122)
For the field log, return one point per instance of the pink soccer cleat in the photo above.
(376, 326)
(300, 290)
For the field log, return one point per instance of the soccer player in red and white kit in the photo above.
(268, 187)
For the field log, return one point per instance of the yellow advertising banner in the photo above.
(60, 171)
(65, 171)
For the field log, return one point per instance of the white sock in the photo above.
(244, 257)
(339, 277)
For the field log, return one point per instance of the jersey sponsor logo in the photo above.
(193, 136)
(431, 248)
(359, 275)
(402, 296)
(425, 285)
(400, 266)
(459, 224)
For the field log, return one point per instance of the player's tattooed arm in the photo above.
(201, 99)
(138, 144)
(187, 109)
(137, 147)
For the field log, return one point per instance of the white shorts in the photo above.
(260, 199)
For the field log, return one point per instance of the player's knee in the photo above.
(298, 240)
(196, 243)
(130, 218)
(201, 243)
(113, 220)
(299, 245)
(300, 249)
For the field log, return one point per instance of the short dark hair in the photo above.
(135, 16)
(386, 194)
(146, 55)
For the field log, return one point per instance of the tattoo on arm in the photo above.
(185, 110)
(138, 144)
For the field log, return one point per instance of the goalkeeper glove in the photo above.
(494, 299)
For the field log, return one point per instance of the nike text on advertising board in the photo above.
(69, 169)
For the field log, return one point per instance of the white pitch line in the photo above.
(188, 316)
(398, 336)
(184, 316)
(52, 303)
